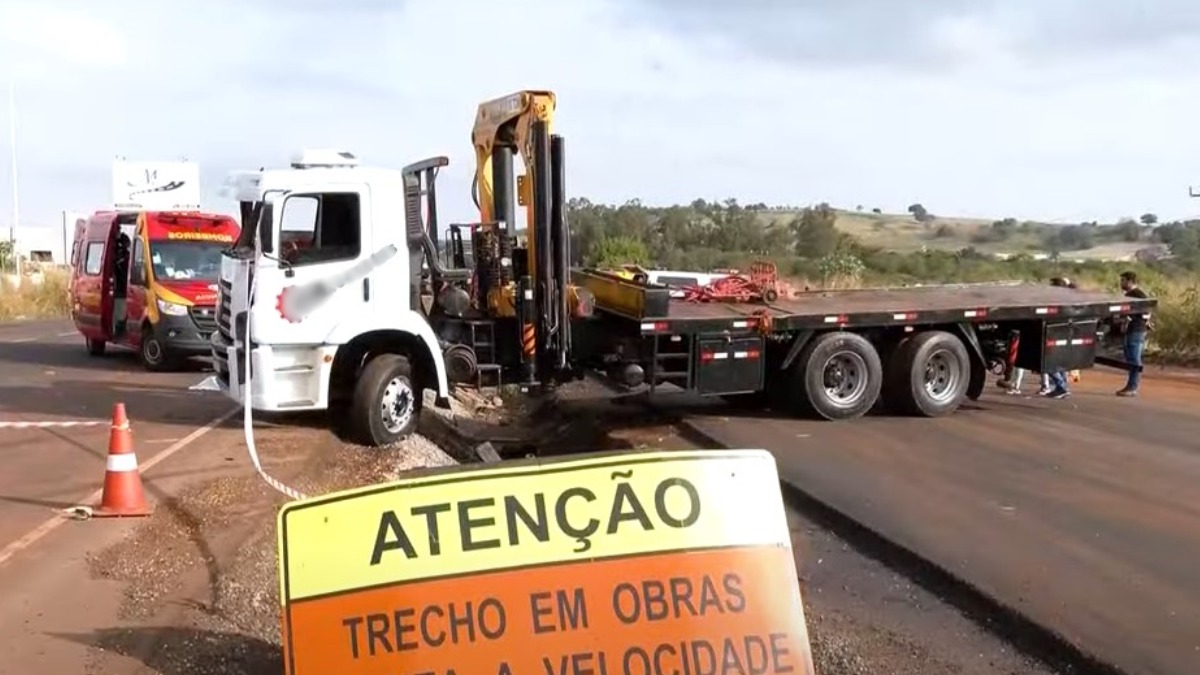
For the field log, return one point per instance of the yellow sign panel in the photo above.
(199, 236)
(473, 521)
(664, 558)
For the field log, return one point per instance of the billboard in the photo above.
(155, 186)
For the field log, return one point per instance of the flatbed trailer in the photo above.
(920, 350)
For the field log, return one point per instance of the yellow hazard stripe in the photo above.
(473, 521)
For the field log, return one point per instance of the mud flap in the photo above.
(1117, 363)
(979, 369)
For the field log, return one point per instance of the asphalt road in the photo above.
(46, 375)
(1082, 514)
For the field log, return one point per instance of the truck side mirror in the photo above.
(137, 274)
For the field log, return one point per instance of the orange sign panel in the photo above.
(658, 563)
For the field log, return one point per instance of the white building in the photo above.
(36, 242)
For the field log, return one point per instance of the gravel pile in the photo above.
(201, 575)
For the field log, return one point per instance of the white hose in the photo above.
(247, 398)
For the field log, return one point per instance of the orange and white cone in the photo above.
(122, 495)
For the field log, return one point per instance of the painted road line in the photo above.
(638, 562)
(8, 424)
(18, 340)
(71, 334)
(51, 524)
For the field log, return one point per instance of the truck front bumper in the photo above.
(187, 335)
(281, 378)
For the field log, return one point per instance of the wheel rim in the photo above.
(152, 350)
(943, 373)
(396, 405)
(845, 378)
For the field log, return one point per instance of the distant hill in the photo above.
(904, 234)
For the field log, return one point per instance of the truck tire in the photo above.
(154, 355)
(95, 347)
(928, 375)
(387, 402)
(838, 376)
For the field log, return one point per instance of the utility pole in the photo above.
(16, 204)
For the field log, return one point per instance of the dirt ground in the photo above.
(202, 592)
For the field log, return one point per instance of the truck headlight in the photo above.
(172, 308)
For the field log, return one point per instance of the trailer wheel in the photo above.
(928, 374)
(386, 402)
(95, 347)
(838, 376)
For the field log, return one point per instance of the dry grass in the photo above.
(1176, 334)
(34, 298)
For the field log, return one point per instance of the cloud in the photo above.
(990, 108)
(925, 34)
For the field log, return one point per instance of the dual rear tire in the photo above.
(841, 375)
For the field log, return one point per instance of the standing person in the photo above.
(1135, 335)
(1050, 384)
(1054, 383)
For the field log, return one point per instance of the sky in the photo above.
(1057, 110)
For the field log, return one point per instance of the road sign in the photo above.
(642, 563)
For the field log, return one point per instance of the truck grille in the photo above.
(205, 318)
(225, 309)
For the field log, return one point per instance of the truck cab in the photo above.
(148, 280)
(315, 308)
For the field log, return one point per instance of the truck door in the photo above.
(135, 306)
(89, 288)
(324, 256)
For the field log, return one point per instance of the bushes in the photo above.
(1176, 334)
(40, 296)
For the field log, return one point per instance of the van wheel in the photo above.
(95, 347)
(154, 354)
(838, 376)
(387, 403)
(928, 374)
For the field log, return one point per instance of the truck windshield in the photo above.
(185, 260)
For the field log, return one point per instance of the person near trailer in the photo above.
(1134, 333)
(1054, 384)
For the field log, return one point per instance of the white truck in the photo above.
(337, 296)
(319, 295)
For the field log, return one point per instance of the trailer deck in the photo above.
(974, 303)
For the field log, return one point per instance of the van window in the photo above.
(320, 228)
(94, 261)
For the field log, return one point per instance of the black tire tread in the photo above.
(902, 392)
(364, 424)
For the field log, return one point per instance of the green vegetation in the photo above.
(820, 246)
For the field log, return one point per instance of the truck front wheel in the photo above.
(154, 354)
(386, 402)
(928, 374)
(838, 376)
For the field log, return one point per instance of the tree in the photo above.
(816, 231)
(1129, 230)
(614, 251)
(6, 255)
(1149, 219)
(920, 213)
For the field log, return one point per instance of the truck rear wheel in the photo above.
(386, 402)
(838, 376)
(928, 374)
(95, 347)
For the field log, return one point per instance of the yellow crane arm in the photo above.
(508, 121)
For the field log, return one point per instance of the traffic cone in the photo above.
(122, 495)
